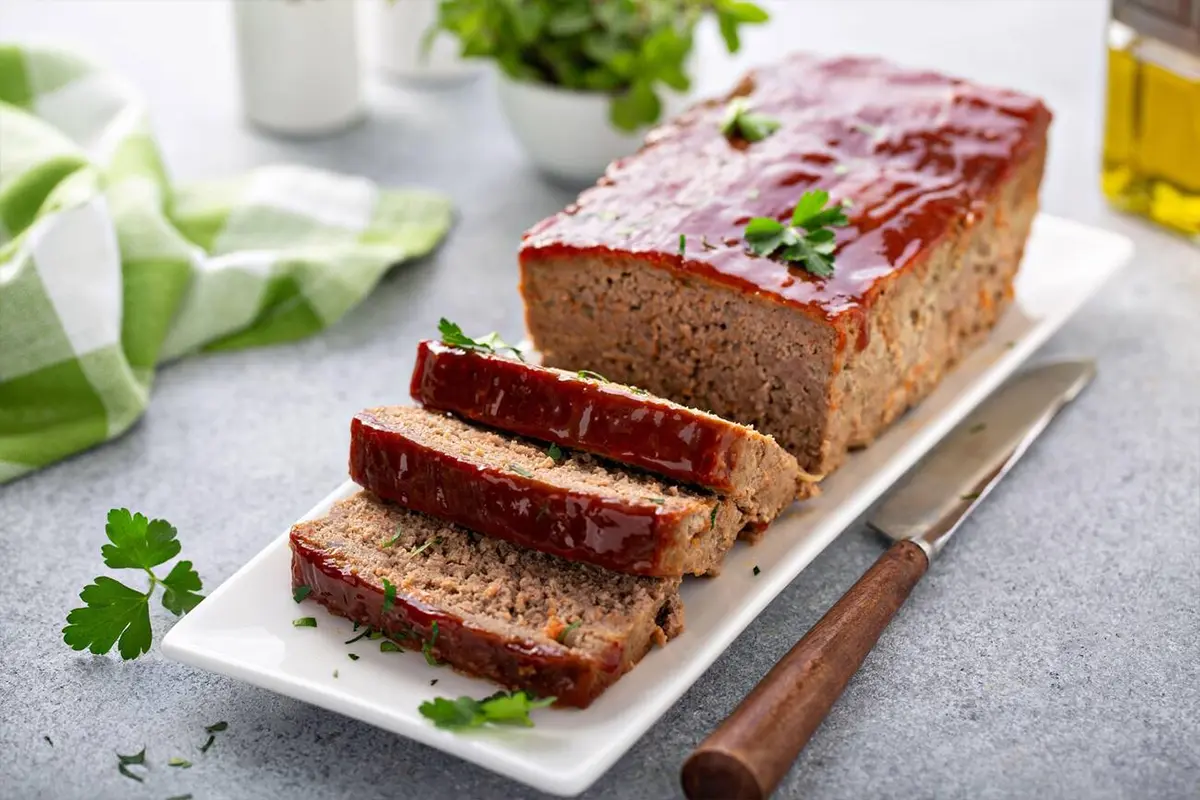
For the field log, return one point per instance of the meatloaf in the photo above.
(584, 411)
(574, 506)
(941, 178)
(521, 618)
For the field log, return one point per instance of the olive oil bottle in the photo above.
(1152, 133)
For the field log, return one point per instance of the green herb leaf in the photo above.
(595, 376)
(305, 622)
(756, 569)
(301, 592)
(388, 646)
(427, 648)
(421, 548)
(524, 473)
(682, 245)
(808, 242)
(181, 589)
(658, 501)
(182, 763)
(562, 635)
(116, 614)
(180, 797)
(501, 708)
(137, 759)
(977, 427)
(742, 123)
(712, 518)
(366, 632)
(389, 591)
(971, 496)
(556, 454)
(113, 614)
(433, 682)
(391, 542)
(49, 741)
(204, 747)
(453, 335)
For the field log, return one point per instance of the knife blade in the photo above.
(745, 758)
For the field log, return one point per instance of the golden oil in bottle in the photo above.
(1152, 133)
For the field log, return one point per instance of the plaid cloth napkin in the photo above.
(106, 270)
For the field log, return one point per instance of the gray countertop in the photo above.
(1052, 652)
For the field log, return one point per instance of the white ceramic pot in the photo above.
(566, 133)
(299, 65)
(400, 27)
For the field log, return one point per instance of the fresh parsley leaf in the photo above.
(388, 646)
(394, 539)
(352, 656)
(182, 763)
(562, 635)
(217, 727)
(971, 496)
(49, 741)
(305, 622)
(433, 682)
(418, 549)
(556, 454)
(756, 569)
(502, 708)
(389, 592)
(137, 759)
(427, 648)
(742, 123)
(808, 242)
(115, 614)
(588, 374)
(180, 797)
(658, 501)
(204, 747)
(712, 518)
(366, 632)
(301, 592)
(181, 589)
(453, 335)
(524, 473)
(682, 244)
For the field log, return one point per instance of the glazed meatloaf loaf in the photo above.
(521, 618)
(941, 177)
(582, 410)
(573, 506)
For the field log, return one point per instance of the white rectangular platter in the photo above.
(244, 629)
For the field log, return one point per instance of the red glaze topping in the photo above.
(602, 530)
(914, 152)
(571, 676)
(607, 419)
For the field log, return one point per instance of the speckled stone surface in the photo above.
(1052, 653)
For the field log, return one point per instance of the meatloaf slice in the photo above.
(941, 177)
(576, 507)
(521, 618)
(622, 423)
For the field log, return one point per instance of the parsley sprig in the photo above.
(742, 123)
(115, 614)
(501, 708)
(808, 242)
(453, 335)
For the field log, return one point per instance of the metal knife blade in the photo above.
(931, 501)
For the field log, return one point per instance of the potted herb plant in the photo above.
(581, 80)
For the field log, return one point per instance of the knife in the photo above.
(745, 758)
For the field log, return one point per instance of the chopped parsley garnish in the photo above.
(524, 473)
(682, 244)
(418, 549)
(352, 656)
(501, 708)
(562, 635)
(335, 673)
(204, 747)
(433, 682)
(658, 501)
(742, 123)
(180, 797)
(976, 428)
(453, 335)
(808, 242)
(971, 496)
(366, 632)
(301, 592)
(556, 454)
(587, 374)
(305, 622)
(388, 646)
(113, 613)
(49, 741)
(712, 518)
(389, 593)
(217, 727)
(182, 763)
(427, 648)
(125, 762)
(756, 569)
(392, 541)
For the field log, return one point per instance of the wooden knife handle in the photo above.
(749, 754)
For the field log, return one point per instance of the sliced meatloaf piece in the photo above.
(584, 411)
(942, 179)
(521, 618)
(577, 507)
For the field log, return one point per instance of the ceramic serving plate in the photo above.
(244, 629)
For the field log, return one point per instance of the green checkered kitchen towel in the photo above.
(106, 270)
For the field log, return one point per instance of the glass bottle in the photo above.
(1152, 133)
